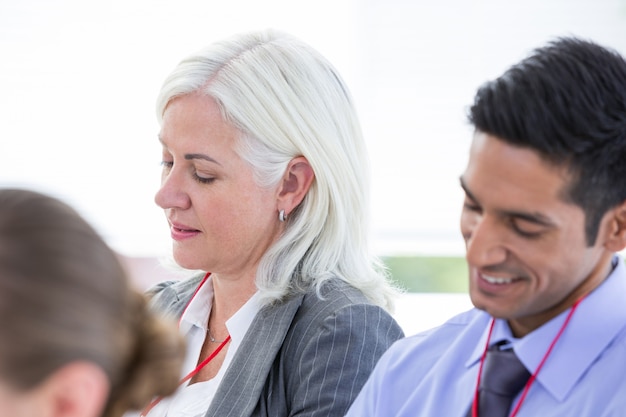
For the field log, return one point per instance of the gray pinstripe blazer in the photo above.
(303, 357)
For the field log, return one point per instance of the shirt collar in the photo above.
(239, 323)
(197, 313)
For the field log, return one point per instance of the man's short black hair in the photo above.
(566, 101)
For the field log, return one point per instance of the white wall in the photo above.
(78, 80)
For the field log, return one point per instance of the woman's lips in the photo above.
(182, 232)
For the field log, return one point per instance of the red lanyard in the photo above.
(201, 365)
(533, 376)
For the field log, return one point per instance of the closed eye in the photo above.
(527, 228)
(471, 206)
(203, 180)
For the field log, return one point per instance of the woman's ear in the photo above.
(296, 182)
(616, 241)
(78, 389)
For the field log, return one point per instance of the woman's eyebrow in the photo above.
(191, 156)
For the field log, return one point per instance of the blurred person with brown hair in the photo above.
(75, 340)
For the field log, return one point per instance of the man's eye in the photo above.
(471, 206)
(527, 229)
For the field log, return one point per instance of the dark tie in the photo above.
(502, 379)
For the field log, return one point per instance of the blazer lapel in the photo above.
(243, 382)
(173, 296)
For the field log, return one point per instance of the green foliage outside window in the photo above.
(429, 274)
(435, 274)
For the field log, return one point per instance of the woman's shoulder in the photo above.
(338, 311)
(334, 292)
(337, 300)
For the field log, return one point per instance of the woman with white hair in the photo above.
(265, 188)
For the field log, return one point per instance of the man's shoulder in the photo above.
(427, 346)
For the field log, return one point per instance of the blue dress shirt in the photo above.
(434, 373)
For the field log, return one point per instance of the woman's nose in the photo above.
(171, 193)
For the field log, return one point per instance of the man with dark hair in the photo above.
(543, 219)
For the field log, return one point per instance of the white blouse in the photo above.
(194, 400)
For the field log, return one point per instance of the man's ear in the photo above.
(295, 184)
(616, 240)
(78, 389)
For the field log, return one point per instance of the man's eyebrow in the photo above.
(467, 191)
(537, 218)
(530, 217)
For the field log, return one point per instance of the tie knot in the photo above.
(503, 373)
